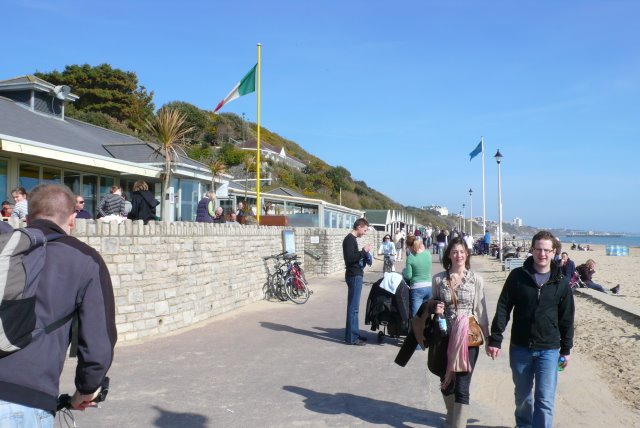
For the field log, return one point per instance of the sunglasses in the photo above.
(81, 202)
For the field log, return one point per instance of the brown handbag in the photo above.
(474, 336)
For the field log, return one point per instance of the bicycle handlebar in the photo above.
(64, 400)
(275, 256)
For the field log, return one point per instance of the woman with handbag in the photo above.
(458, 293)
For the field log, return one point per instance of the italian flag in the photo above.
(244, 87)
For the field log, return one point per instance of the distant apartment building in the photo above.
(517, 222)
(440, 210)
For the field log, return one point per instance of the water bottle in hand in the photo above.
(442, 324)
(561, 362)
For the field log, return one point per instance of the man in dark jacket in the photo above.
(79, 208)
(353, 276)
(74, 277)
(542, 330)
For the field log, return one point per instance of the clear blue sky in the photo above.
(398, 93)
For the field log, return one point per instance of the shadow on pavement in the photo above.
(169, 419)
(328, 334)
(366, 409)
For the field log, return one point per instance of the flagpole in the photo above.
(484, 213)
(258, 204)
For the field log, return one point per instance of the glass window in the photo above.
(51, 175)
(105, 185)
(3, 181)
(189, 197)
(72, 181)
(29, 176)
(227, 205)
(90, 193)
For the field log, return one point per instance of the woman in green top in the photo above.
(418, 274)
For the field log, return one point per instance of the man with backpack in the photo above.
(68, 281)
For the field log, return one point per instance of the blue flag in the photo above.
(476, 151)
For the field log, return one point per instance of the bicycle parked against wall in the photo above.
(274, 287)
(295, 283)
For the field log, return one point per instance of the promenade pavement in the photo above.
(275, 364)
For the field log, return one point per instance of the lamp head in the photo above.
(61, 92)
(470, 192)
(498, 156)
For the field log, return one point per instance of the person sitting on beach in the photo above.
(586, 271)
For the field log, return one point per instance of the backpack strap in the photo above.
(72, 316)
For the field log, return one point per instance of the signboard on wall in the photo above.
(289, 241)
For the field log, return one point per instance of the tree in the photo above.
(216, 167)
(107, 90)
(249, 164)
(198, 119)
(170, 130)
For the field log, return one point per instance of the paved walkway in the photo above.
(283, 365)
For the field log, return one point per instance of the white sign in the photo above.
(314, 239)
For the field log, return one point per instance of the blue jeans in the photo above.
(594, 286)
(534, 409)
(441, 248)
(17, 416)
(418, 296)
(352, 331)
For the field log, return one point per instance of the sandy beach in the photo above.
(608, 337)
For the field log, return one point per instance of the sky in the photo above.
(398, 93)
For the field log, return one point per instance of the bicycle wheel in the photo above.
(279, 286)
(296, 289)
(387, 264)
(267, 289)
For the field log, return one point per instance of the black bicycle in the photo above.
(274, 287)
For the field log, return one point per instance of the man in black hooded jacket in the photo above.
(542, 330)
(74, 277)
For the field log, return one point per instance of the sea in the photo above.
(628, 240)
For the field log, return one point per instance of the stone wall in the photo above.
(167, 276)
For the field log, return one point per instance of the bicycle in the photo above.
(295, 282)
(274, 287)
(388, 263)
(64, 404)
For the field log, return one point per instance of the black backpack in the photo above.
(22, 257)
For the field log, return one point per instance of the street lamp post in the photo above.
(471, 213)
(464, 218)
(498, 157)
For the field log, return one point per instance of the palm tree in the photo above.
(249, 165)
(170, 129)
(216, 167)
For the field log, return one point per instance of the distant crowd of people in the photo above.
(142, 206)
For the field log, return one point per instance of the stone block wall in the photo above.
(167, 276)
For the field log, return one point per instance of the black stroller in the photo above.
(389, 311)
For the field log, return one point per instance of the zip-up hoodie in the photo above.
(74, 276)
(542, 317)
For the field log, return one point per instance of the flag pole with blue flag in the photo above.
(478, 150)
